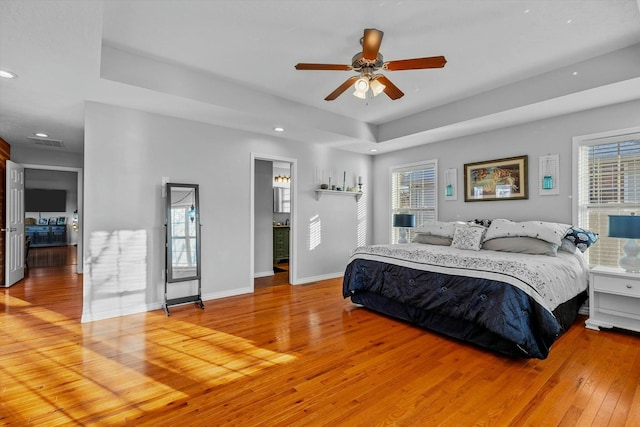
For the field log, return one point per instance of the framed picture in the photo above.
(43, 221)
(501, 179)
(53, 220)
(62, 220)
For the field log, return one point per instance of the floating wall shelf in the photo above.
(357, 194)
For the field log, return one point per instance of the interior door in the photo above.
(14, 231)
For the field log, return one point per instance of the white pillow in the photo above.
(469, 238)
(551, 232)
(437, 228)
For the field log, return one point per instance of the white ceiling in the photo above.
(231, 63)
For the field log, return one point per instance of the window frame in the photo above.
(579, 209)
(406, 167)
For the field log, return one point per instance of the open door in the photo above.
(14, 231)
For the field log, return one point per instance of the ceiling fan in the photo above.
(367, 63)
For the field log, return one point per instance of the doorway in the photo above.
(61, 243)
(273, 228)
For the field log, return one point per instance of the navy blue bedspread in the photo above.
(488, 313)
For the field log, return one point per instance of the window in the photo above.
(608, 184)
(413, 190)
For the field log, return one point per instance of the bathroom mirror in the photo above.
(183, 232)
(281, 200)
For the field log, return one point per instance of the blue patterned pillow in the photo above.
(582, 238)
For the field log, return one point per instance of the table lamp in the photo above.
(627, 227)
(403, 221)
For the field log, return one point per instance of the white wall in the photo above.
(127, 153)
(263, 214)
(50, 157)
(550, 136)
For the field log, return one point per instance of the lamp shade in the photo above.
(624, 226)
(404, 220)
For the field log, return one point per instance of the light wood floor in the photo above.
(288, 355)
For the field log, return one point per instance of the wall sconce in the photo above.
(403, 221)
(450, 184)
(282, 179)
(549, 172)
(627, 227)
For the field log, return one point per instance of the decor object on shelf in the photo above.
(627, 227)
(403, 221)
(450, 184)
(501, 179)
(360, 184)
(549, 172)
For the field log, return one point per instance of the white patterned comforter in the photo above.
(550, 281)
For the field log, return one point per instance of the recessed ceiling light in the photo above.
(575, 73)
(8, 74)
(278, 129)
(569, 21)
(527, 10)
(41, 135)
(374, 150)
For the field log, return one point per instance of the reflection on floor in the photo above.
(54, 256)
(280, 277)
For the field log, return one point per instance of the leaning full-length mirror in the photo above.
(183, 232)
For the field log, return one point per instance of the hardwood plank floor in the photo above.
(289, 355)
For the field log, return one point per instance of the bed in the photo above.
(512, 301)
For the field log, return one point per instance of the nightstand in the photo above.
(614, 299)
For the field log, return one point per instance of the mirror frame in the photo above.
(169, 262)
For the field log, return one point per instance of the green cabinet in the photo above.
(280, 243)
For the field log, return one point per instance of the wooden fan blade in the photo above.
(344, 86)
(416, 63)
(323, 67)
(390, 89)
(371, 43)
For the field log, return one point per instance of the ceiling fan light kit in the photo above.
(367, 62)
(361, 87)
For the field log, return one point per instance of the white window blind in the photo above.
(608, 184)
(413, 191)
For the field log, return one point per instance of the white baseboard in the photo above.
(306, 280)
(263, 274)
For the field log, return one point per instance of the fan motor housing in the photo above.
(358, 62)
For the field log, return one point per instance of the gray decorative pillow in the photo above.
(437, 228)
(521, 245)
(432, 240)
(548, 231)
(469, 238)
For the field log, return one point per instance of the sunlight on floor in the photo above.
(97, 367)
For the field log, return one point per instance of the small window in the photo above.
(413, 191)
(608, 184)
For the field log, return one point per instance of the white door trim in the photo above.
(80, 264)
(293, 260)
